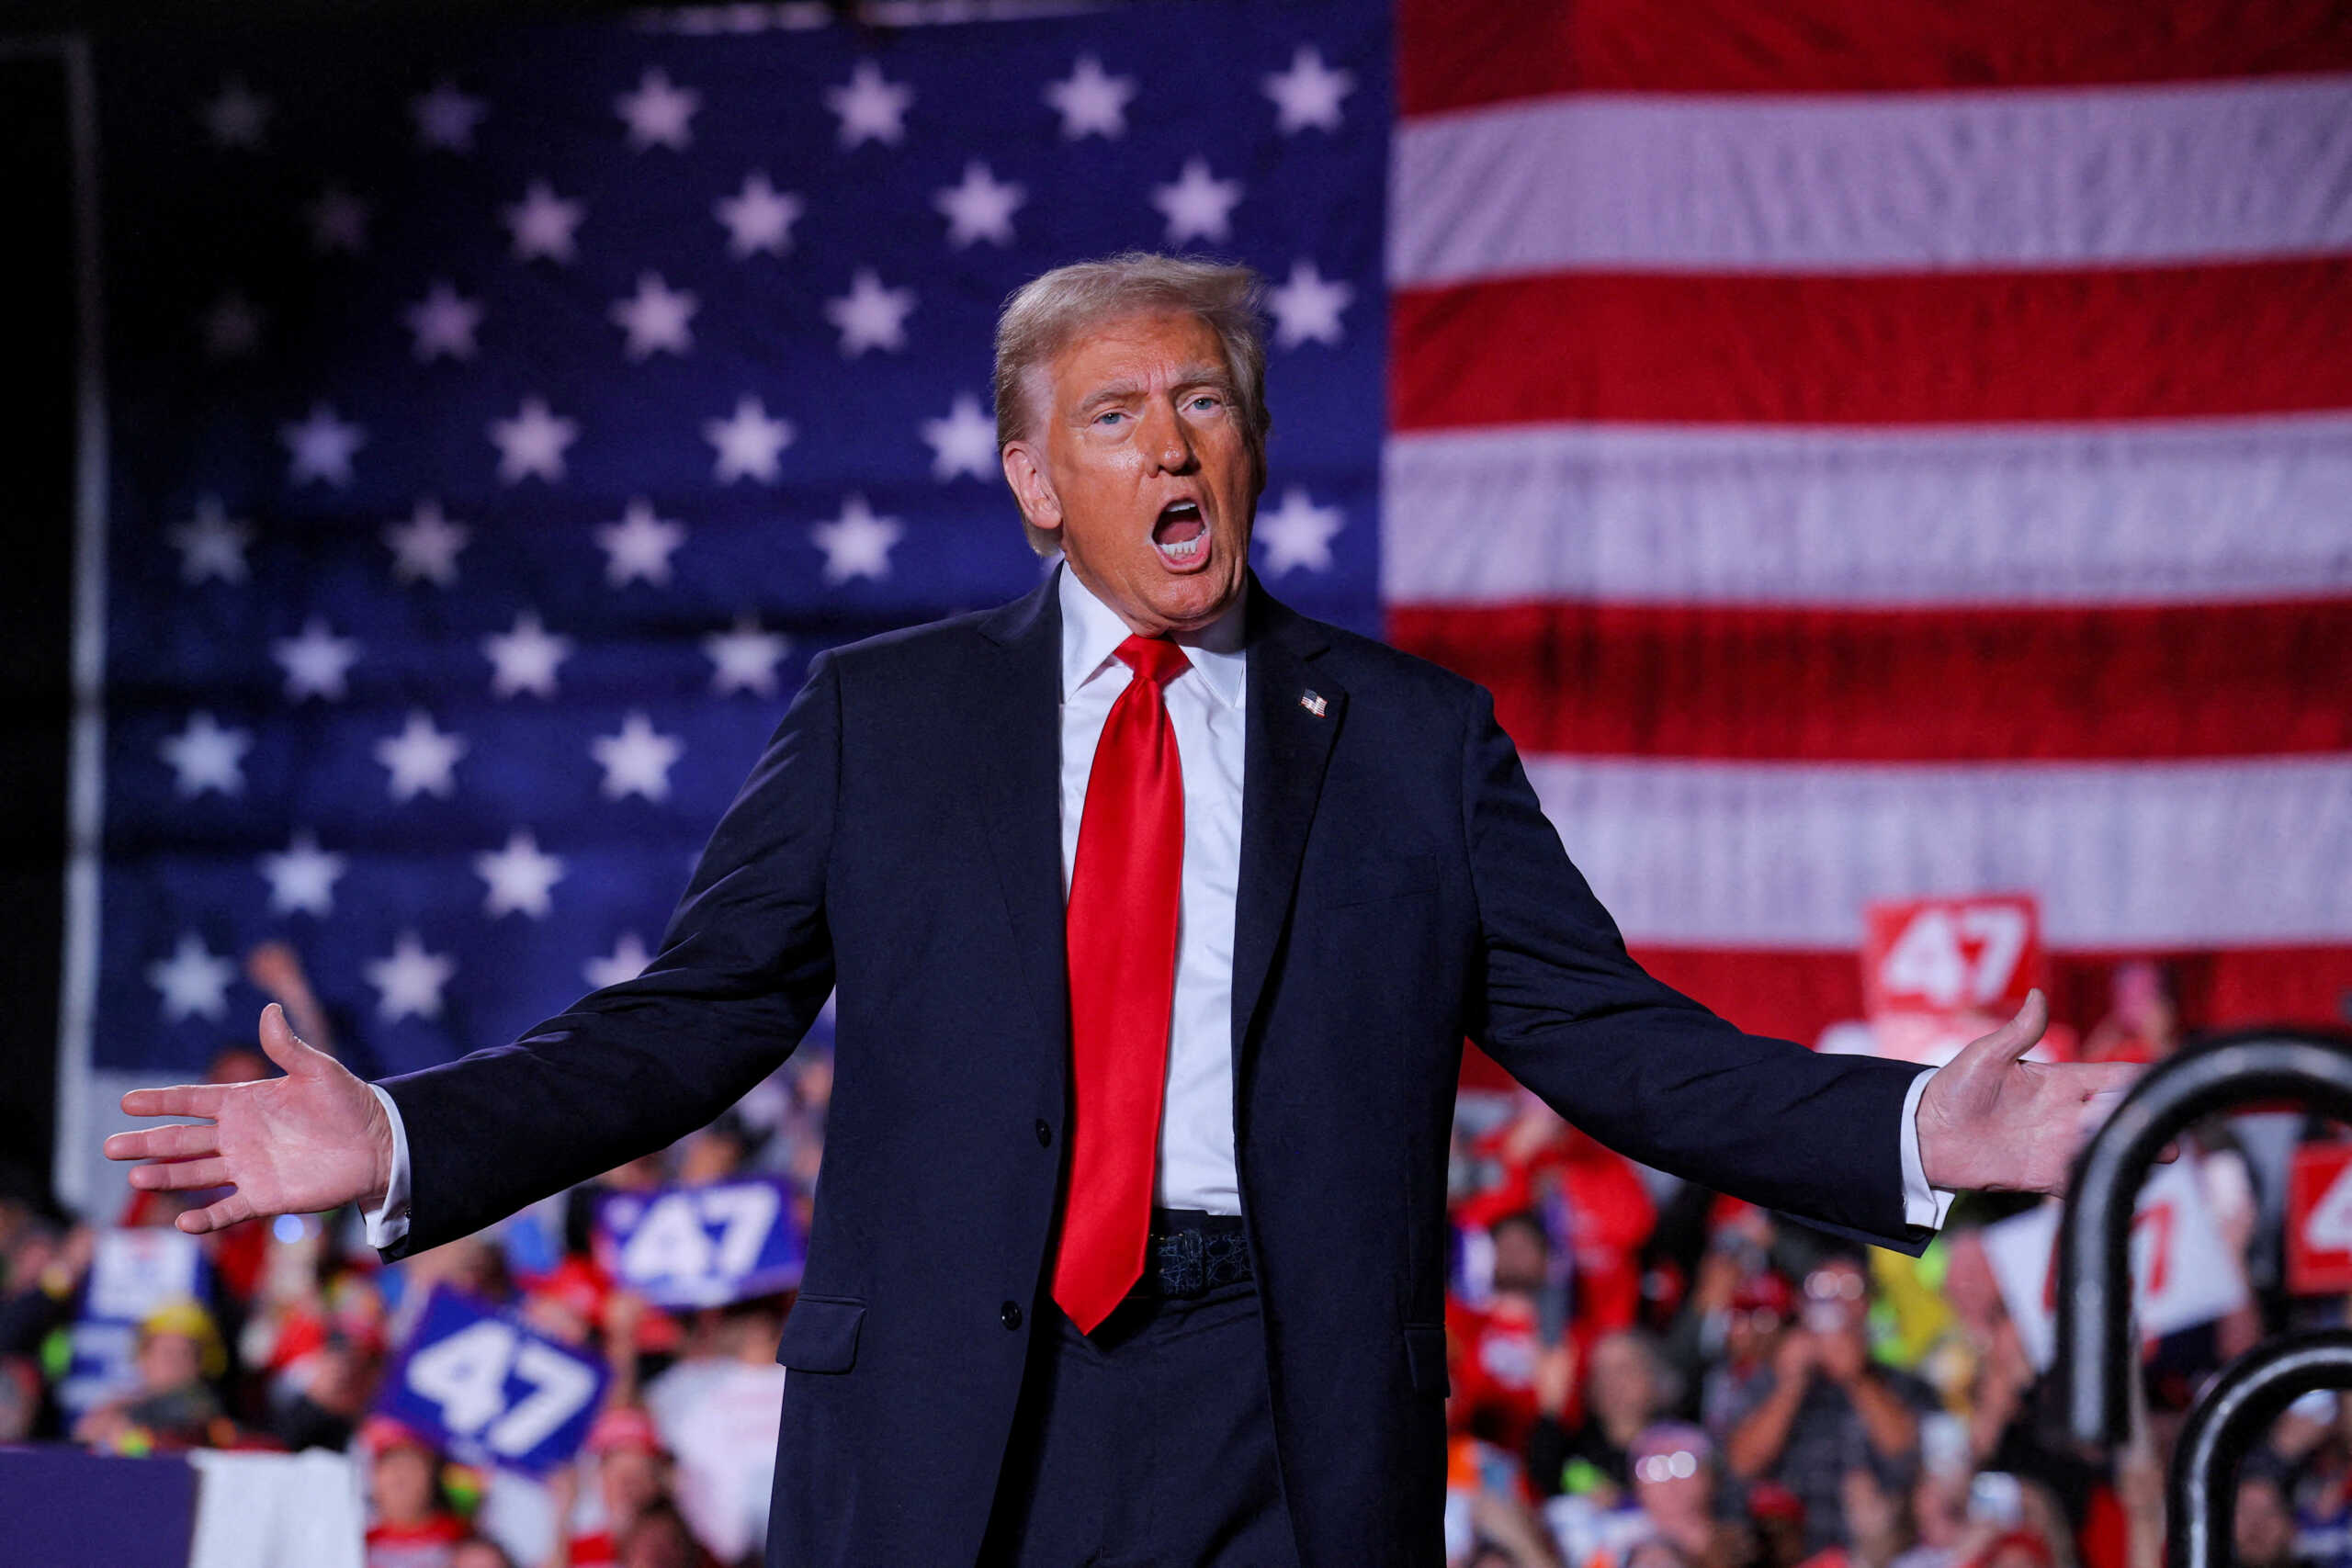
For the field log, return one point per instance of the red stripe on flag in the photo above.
(1455, 55)
(2145, 342)
(2071, 682)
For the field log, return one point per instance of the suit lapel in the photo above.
(1020, 793)
(1286, 747)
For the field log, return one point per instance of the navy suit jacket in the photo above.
(1400, 889)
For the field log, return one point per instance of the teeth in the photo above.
(1186, 550)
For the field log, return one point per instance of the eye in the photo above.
(1110, 416)
(1207, 401)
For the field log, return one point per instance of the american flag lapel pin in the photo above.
(1311, 701)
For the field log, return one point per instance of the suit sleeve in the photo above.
(1564, 1008)
(745, 964)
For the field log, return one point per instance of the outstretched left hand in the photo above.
(1991, 1122)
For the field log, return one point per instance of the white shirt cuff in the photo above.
(387, 1226)
(1922, 1204)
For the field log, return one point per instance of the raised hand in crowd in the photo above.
(310, 1141)
(276, 970)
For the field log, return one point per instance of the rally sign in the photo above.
(490, 1391)
(1951, 957)
(2183, 1273)
(696, 1247)
(132, 1272)
(2319, 1220)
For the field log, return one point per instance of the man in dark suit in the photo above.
(1157, 915)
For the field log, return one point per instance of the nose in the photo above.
(1165, 440)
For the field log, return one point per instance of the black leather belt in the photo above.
(1190, 1253)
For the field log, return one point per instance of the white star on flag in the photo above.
(425, 549)
(857, 543)
(409, 981)
(744, 659)
(639, 545)
(747, 442)
(1309, 94)
(759, 217)
(542, 224)
(1199, 205)
(444, 322)
(193, 980)
(446, 118)
(206, 756)
(870, 315)
(421, 759)
(533, 442)
(320, 447)
(238, 116)
(524, 659)
(963, 443)
(232, 327)
(981, 207)
(1298, 534)
(338, 222)
(657, 113)
(211, 544)
(315, 662)
(520, 876)
(655, 318)
(626, 962)
(1091, 103)
(1306, 309)
(636, 761)
(871, 108)
(302, 878)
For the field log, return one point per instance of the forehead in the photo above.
(1144, 348)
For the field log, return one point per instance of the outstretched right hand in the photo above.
(310, 1141)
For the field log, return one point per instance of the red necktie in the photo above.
(1124, 885)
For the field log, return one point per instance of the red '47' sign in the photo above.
(1951, 957)
(2319, 1220)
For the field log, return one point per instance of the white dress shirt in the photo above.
(1207, 708)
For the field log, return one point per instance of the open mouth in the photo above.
(1180, 532)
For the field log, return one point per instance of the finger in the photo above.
(182, 1141)
(179, 1099)
(219, 1216)
(2112, 1078)
(280, 1043)
(179, 1176)
(2015, 1038)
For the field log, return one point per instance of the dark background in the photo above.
(39, 306)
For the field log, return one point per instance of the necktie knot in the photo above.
(1153, 658)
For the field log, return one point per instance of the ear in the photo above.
(1040, 507)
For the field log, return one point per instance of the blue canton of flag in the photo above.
(499, 421)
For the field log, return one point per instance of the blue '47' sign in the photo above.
(695, 1246)
(491, 1391)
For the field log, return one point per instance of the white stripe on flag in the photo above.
(1770, 855)
(1874, 182)
(2244, 508)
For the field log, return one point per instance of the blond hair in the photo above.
(1049, 312)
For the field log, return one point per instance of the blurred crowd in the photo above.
(1645, 1374)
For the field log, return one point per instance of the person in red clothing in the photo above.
(414, 1526)
(1500, 1345)
(632, 1476)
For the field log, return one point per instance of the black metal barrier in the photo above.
(2230, 1417)
(2098, 1351)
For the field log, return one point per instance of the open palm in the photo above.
(1991, 1122)
(310, 1141)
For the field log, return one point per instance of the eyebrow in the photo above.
(1198, 374)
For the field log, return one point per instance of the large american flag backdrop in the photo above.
(1869, 450)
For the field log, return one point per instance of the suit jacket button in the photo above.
(1045, 1133)
(1009, 1315)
